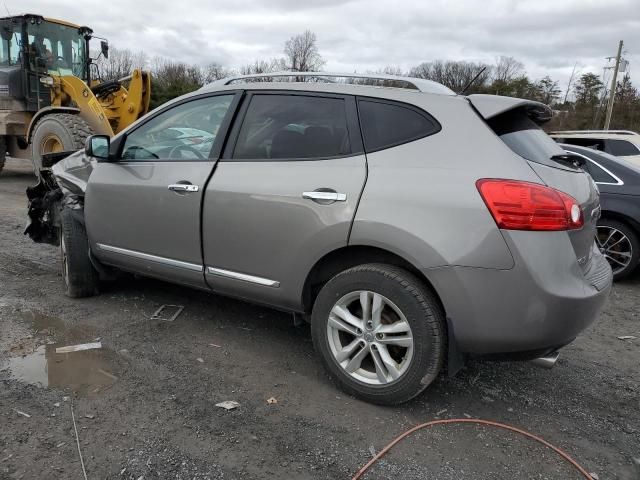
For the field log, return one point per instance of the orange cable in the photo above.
(382, 452)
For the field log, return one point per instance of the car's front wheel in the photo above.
(620, 245)
(80, 277)
(380, 332)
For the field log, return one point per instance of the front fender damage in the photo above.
(61, 184)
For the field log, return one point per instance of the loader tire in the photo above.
(58, 132)
(80, 277)
(3, 152)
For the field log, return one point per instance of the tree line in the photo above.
(581, 106)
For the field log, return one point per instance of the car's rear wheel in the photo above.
(80, 277)
(380, 332)
(619, 243)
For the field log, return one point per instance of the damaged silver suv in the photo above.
(411, 226)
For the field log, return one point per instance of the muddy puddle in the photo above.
(32, 357)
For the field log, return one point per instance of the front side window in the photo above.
(386, 124)
(185, 132)
(293, 127)
(621, 148)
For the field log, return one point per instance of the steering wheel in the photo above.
(61, 62)
(177, 148)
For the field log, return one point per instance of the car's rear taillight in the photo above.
(517, 205)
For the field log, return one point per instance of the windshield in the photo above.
(57, 49)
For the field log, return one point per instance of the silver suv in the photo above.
(411, 226)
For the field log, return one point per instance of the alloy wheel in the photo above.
(370, 338)
(615, 246)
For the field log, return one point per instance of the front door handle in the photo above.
(324, 196)
(183, 187)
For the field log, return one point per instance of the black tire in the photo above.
(80, 277)
(3, 152)
(633, 243)
(62, 131)
(422, 311)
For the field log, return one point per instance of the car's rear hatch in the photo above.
(516, 122)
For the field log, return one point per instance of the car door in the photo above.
(142, 209)
(283, 195)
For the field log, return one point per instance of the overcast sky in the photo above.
(548, 36)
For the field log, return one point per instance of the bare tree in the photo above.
(391, 70)
(215, 71)
(121, 62)
(547, 90)
(171, 79)
(507, 69)
(264, 66)
(455, 75)
(168, 73)
(302, 53)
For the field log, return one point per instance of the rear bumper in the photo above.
(544, 302)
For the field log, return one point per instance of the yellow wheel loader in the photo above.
(51, 94)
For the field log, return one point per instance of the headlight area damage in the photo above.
(61, 184)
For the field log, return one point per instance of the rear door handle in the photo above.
(325, 196)
(183, 187)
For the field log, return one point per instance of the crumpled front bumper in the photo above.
(61, 183)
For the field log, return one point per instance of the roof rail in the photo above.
(375, 79)
(615, 132)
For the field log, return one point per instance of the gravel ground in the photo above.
(144, 403)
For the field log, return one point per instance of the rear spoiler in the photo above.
(490, 106)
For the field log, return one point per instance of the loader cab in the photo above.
(33, 48)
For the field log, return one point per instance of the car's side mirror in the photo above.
(104, 48)
(98, 146)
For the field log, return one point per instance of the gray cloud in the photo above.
(549, 36)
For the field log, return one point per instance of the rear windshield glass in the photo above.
(525, 137)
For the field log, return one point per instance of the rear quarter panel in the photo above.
(420, 200)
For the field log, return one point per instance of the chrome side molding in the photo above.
(243, 276)
(152, 258)
(266, 282)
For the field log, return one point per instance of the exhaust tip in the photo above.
(548, 361)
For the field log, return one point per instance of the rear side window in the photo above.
(293, 127)
(387, 124)
(621, 148)
(593, 143)
(525, 137)
(598, 174)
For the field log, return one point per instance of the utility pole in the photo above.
(612, 91)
